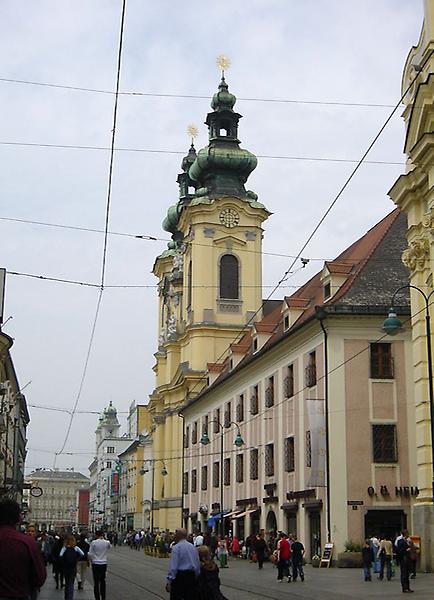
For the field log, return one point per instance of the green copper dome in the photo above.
(222, 168)
(223, 99)
(171, 220)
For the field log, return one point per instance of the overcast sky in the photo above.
(316, 50)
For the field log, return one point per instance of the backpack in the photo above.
(70, 558)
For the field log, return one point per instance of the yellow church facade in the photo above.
(210, 284)
(413, 192)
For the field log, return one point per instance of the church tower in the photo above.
(210, 284)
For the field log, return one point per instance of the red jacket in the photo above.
(22, 569)
(284, 549)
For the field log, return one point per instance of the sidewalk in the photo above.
(49, 592)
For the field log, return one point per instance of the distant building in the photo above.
(14, 418)
(58, 506)
(104, 477)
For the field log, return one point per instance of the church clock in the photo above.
(229, 217)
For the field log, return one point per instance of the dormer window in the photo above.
(286, 322)
(327, 290)
(255, 344)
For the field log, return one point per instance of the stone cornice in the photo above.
(408, 188)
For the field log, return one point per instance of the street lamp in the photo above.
(392, 325)
(238, 442)
(143, 471)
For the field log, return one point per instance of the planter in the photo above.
(315, 562)
(350, 560)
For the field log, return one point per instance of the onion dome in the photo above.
(223, 99)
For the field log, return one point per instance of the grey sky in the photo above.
(308, 50)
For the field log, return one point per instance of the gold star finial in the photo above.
(192, 132)
(223, 63)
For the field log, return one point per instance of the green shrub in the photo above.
(351, 546)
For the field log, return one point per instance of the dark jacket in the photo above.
(209, 584)
(260, 546)
(84, 547)
(367, 556)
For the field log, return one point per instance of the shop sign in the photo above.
(355, 502)
(400, 491)
(301, 494)
(327, 554)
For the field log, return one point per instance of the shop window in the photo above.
(186, 436)
(194, 481)
(254, 463)
(308, 450)
(217, 421)
(288, 382)
(254, 401)
(229, 277)
(239, 468)
(384, 443)
(381, 361)
(269, 460)
(228, 415)
(310, 372)
(194, 433)
(216, 474)
(227, 471)
(269, 393)
(240, 409)
(185, 484)
(289, 450)
(204, 478)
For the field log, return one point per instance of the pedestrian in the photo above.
(260, 546)
(69, 556)
(83, 562)
(56, 562)
(209, 580)
(222, 554)
(403, 555)
(198, 540)
(283, 556)
(22, 570)
(213, 544)
(184, 569)
(367, 558)
(297, 554)
(413, 555)
(235, 546)
(386, 555)
(98, 557)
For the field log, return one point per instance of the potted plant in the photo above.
(315, 560)
(352, 557)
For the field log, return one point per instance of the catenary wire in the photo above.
(181, 153)
(193, 96)
(104, 255)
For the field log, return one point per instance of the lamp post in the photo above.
(392, 325)
(238, 442)
(145, 470)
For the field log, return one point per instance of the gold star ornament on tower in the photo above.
(223, 63)
(192, 132)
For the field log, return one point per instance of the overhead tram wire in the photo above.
(320, 222)
(180, 152)
(194, 96)
(104, 254)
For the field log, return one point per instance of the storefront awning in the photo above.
(245, 513)
(232, 515)
(214, 518)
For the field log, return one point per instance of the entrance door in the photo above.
(385, 522)
(271, 522)
(315, 533)
(240, 528)
(291, 522)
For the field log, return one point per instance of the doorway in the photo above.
(315, 533)
(271, 522)
(385, 522)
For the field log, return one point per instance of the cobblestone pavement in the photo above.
(134, 576)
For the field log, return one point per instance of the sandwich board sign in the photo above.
(327, 555)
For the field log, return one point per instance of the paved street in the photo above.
(134, 576)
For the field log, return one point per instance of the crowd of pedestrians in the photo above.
(380, 555)
(25, 556)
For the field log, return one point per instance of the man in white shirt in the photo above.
(98, 556)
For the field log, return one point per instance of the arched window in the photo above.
(229, 277)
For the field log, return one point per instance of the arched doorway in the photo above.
(271, 522)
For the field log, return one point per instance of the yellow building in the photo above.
(413, 193)
(210, 281)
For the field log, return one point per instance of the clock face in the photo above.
(229, 217)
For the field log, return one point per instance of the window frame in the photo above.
(229, 284)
